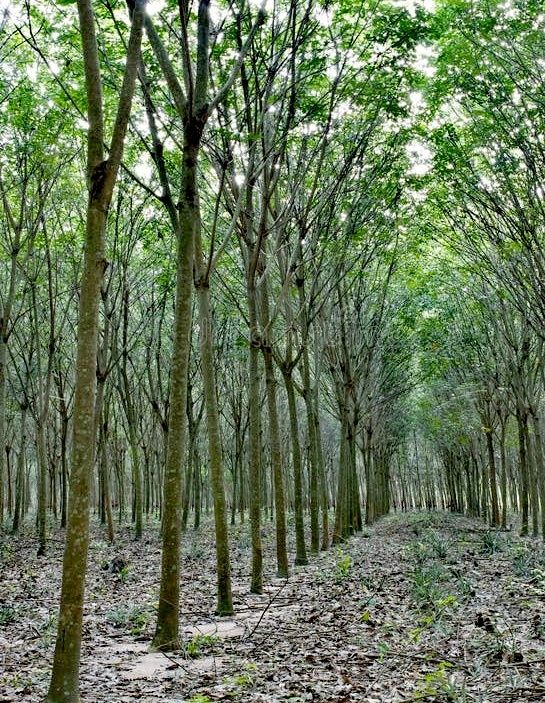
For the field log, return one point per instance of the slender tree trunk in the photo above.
(321, 472)
(282, 567)
(167, 630)
(254, 449)
(197, 488)
(540, 468)
(4, 341)
(324, 497)
(42, 486)
(105, 471)
(192, 429)
(341, 502)
(301, 552)
(20, 474)
(311, 426)
(503, 470)
(313, 456)
(523, 465)
(223, 566)
(493, 480)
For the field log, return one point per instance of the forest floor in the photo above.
(421, 607)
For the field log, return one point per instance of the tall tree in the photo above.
(101, 177)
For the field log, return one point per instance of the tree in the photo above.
(101, 177)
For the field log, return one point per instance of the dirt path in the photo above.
(420, 607)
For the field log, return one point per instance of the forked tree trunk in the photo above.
(64, 686)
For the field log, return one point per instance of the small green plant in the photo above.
(199, 644)
(537, 582)
(438, 685)
(343, 564)
(199, 698)
(419, 552)
(134, 617)
(7, 614)
(383, 650)
(123, 574)
(493, 542)
(47, 629)
(445, 604)
(366, 617)
(465, 588)
(538, 626)
(16, 680)
(503, 645)
(523, 561)
(7, 552)
(244, 679)
(140, 621)
(368, 582)
(425, 586)
(437, 545)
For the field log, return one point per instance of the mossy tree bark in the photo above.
(300, 546)
(102, 175)
(254, 438)
(282, 567)
(167, 629)
(206, 337)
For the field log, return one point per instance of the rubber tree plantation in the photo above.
(272, 351)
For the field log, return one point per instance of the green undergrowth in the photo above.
(134, 618)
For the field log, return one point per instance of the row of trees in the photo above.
(483, 337)
(237, 289)
(311, 277)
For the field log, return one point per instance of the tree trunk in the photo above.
(64, 686)
(301, 552)
(254, 440)
(503, 470)
(282, 567)
(20, 474)
(223, 566)
(167, 629)
(522, 422)
(493, 479)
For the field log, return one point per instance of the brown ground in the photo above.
(422, 607)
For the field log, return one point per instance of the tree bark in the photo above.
(300, 546)
(223, 566)
(64, 685)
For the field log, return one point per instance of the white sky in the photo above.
(413, 5)
(153, 7)
(420, 157)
